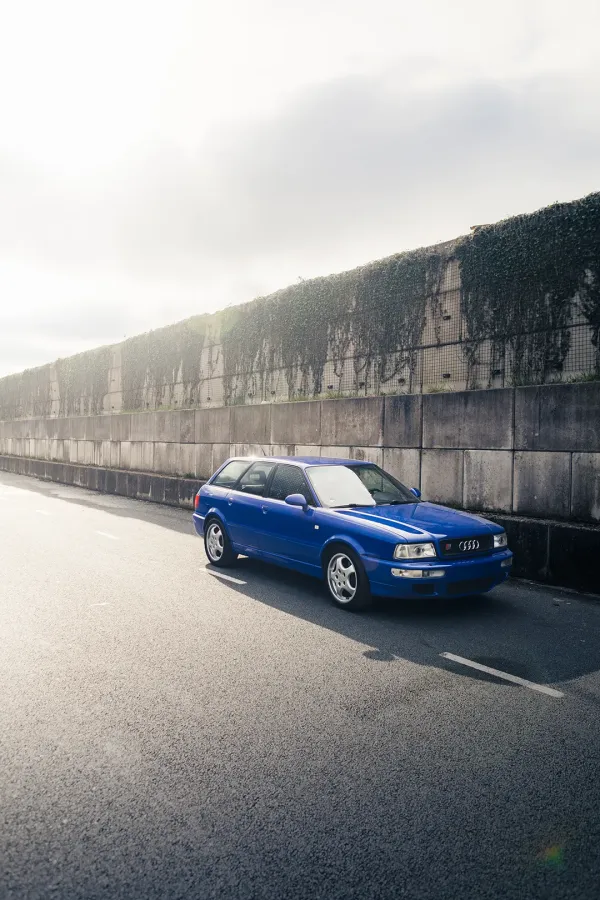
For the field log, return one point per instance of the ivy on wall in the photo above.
(375, 314)
(83, 382)
(523, 281)
(152, 363)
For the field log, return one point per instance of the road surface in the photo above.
(167, 733)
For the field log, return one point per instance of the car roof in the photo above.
(307, 460)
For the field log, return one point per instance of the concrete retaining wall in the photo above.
(559, 553)
(532, 451)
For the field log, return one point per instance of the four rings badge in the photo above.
(468, 545)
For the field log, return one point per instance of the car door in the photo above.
(244, 505)
(290, 532)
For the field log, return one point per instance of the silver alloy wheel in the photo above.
(342, 578)
(215, 543)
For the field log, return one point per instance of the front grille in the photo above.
(467, 546)
(475, 586)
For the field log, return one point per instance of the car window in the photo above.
(230, 474)
(339, 486)
(289, 480)
(382, 487)
(254, 481)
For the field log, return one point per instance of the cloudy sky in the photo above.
(161, 159)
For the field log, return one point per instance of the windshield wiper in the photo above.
(354, 506)
(396, 502)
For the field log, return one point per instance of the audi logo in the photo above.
(468, 545)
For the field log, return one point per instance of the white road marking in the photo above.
(223, 575)
(43, 512)
(541, 688)
(107, 535)
(99, 604)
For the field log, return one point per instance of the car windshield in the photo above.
(350, 486)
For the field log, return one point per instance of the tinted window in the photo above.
(289, 480)
(228, 476)
(255, 479)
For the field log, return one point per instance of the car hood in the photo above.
(416, 520)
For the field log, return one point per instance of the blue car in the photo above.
(350, 523)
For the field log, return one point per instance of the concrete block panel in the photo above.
(81, 428)
(558, 417)
(573, 556)
(488, 480)
(220, 452)
(203, 459)
(352, 422)
(187, 426)
(142, 456)
(115, 454)
(367, 454)
(40, 429)
(102, 453)
(56, 451)
(101, 428)
(402, 421)
(212, 426)
(479, 420)
(296, 423)
(307, 450)
(336, 452)
(528, 540)
(251, 424)
(125, 455)
(73, 451)
(167, 424)
(258, 450)
(542, 484)
(585, 488)
(142, 427)
(120, 427)
(442, 476)
(283, 450)
(403, 464)
(63, 429)
(166, 457)
(187, 460)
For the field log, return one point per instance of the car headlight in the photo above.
(500, 540)
(414, 551)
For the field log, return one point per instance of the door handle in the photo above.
(265, 509)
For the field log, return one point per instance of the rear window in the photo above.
(232, 472)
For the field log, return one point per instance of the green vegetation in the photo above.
(523, 281)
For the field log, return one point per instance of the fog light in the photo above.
(419, 573)
(506, 563)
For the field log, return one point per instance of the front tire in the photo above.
(346, 579)
(217, 544)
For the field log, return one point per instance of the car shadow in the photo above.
(533, 631)
(517, 628)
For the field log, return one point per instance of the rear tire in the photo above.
(346, 579)
(217, 544)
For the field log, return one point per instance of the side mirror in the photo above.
(296, 500)
(416, 492)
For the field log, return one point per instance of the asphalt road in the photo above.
(165, 733)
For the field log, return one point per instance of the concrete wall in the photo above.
(532, 451)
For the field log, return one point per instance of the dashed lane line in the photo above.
(531, 685)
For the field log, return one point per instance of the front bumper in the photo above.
(461, 577)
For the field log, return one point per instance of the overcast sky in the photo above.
(161, 159)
